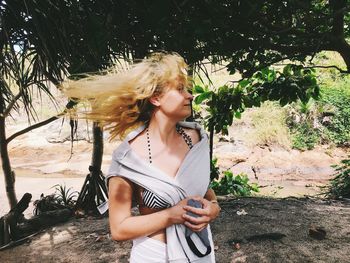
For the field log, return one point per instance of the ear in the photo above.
(155, 100)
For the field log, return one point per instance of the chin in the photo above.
(181, 117)
(186, 116)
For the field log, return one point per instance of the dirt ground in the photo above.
(270, 230)
(257, 229)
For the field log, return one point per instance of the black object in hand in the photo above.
(203, 234)
(196, 204)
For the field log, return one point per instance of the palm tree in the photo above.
(26, 65)
(19, 76)
(42, 43)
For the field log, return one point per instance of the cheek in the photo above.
(172, 103)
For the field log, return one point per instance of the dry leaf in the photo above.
(241, 212)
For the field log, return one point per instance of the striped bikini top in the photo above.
(152, 200)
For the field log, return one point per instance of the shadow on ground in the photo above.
(248, 230)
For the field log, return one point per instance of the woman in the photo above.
(162, 164)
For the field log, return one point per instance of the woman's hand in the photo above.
(209, 212)
(177, 211)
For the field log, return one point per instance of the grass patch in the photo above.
(268, 125)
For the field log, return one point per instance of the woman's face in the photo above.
(175, 101)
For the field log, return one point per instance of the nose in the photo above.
(189, 96)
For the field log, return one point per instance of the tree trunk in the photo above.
(13, 233)
(94, 191)
(97, 151)
(44, 220)
(8, 223)
(337, 39)
(5, 160)
(191, 73)
(9, 175)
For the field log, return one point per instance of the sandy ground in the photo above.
(40, 165)
(270, 230)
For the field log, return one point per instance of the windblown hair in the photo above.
(120, 101)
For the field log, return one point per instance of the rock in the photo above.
(318, 233)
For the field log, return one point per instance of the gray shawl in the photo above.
(192, 178)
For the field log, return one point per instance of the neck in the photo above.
(162, 128)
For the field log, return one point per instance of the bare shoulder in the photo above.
(194, 134)
(119, 185)
(137, 143)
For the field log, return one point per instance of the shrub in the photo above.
(234, 185)
(62, 198)
(339, 126)
(304, 137)
(65, 196)
(323, 121)
(214, 169)
(46, 204)
(340, 184)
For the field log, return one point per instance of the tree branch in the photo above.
(11, 104)
(319, 66)
(70, 105)
(35, 126)
(331, 66)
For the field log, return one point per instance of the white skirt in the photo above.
(148, 250)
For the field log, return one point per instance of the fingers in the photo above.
(198, 211)
(196, 224)
(196, 220)
(194, 227)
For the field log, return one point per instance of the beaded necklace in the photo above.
(179, 130)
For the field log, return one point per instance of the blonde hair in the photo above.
(120, 101)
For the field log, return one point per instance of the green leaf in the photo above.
(243, 83)
(271, 76)
(198, 89)
(200, 98)
(287, 70)
(238, 114)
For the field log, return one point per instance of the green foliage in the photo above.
(234, 185)
(304, 137)
(214, 169)
(339, 127)
(46, 203)
(228, 102)
(326, 120)
(293, 83)
(65, 196)
(62, 198)
(340, 184)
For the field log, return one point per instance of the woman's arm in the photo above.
(214, 209)
(124, 226)
(210, 195)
